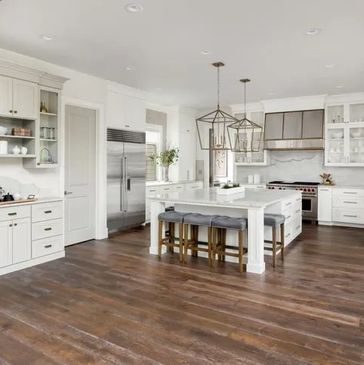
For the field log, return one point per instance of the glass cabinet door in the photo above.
(335, 114)
(335, 146)
(356, 145)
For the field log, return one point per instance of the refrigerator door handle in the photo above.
(122, 186)
(127, 183)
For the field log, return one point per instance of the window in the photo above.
(151, 174)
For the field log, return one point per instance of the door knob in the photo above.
(68, 192)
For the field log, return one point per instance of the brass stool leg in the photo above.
(274, 243)
(241, 249)
(160, 238)
(223, 242)
(209, 245)
(282, 241)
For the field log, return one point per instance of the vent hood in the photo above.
(294, 130)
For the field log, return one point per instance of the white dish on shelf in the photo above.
(355, 134)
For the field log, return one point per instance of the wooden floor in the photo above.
(109, 302)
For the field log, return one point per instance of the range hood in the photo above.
(294, 130)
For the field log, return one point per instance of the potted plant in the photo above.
(165, 159)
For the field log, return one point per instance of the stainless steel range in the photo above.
(309, 195)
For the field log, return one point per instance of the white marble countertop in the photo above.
(157, 183)
(208, 197)
(38, 201)
(342, 186)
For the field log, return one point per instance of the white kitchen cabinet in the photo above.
(6, 96)
(25, 99)
(29, 235)
(15, 241)
(18, 98)
(125, 112)
(6, 243)
(21, 240)
(324, 204)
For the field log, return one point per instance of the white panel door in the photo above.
(6, 96)
(25, 99)
(80, 161)
(6, 238)
(21, 240)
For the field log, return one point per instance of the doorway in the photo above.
(80, 174)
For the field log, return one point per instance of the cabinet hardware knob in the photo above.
(10, 111)
(15, 112)
(10, 225)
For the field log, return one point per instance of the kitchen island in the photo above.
(252, 204)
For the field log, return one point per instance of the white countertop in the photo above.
(208, 197)
(157, 183)
(342, 186)
(38, 201)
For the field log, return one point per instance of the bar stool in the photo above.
(220, 225)
(171, 218)
(275, 221)
(194, 221)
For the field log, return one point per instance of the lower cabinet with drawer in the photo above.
(341, 206)
(30, 234)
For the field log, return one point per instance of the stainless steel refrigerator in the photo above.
(126, 168)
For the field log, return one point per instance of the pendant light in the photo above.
(245, 135)
(212, 127)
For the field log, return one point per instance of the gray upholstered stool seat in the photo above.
(272, 220)
(172, 216)
(197, 219)
(229, 222)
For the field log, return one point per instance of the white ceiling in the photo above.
(264, 40)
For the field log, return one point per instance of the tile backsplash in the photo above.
(300, 166)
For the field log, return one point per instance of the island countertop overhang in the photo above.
(209, 197)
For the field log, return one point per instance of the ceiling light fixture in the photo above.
(245, 135)
(47, 37)
(339, 86)
(330, 66)
(129, 68)
(212, 127)
(205, 52)
(313, 31)
(134, 8)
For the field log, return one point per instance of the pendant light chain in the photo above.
(218, 87)
(245, 99)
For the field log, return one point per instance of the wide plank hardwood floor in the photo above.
(110, 302)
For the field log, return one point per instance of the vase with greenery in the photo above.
(165, 159)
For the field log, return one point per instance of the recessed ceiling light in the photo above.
(339, 86)
(47, 37)
(129, 68)
(313, 31)
(205, 52)
(329, 66)
(134, 8)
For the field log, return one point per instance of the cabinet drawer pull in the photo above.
(350, 216)
(152, 191)
(12, 214)
(289, 217)
(287, 235)
(298, 211)
(47, 246)
(346, 202)
(288, 204)
(48, 229)
(298, 199)
(10, 225)
(15, 224)
(10, 111)
(298, 227)
(47, 211)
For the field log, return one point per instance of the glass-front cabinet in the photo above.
(259, 158)
(344, 137)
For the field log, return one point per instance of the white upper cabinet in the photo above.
(25, 99)
(6, 96)
(125, 112)
(18, 98)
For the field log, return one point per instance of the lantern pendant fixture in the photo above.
(212, 127)
(245, 135)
